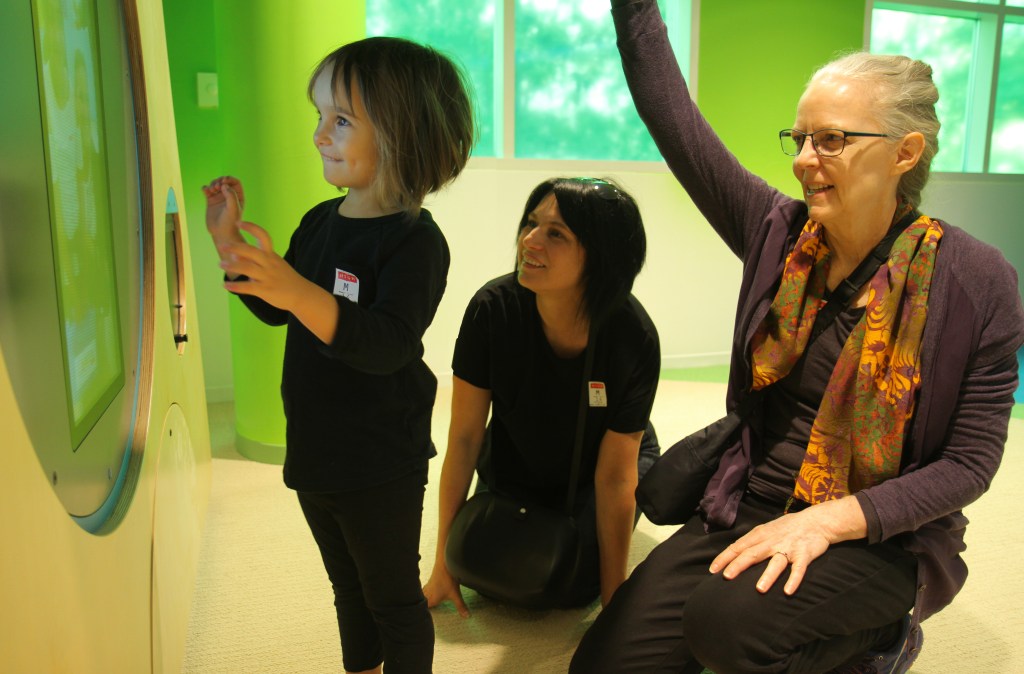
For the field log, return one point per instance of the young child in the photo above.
(357, 288)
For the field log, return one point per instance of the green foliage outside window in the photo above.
(461, 29)
(571, 99)
(571, 96)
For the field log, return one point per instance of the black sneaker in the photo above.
(896, 660)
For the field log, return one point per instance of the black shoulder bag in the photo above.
(672, 488)
(519, 553)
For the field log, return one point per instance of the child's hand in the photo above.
(225, 200)
(269, 277)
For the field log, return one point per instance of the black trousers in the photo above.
(369, 541)
(672, 615)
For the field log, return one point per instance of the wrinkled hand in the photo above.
(269, 277)
(225, 200)
(793, 540)
(442, 586)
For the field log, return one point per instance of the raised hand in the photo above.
(273, 280)
(225, 200)
(269, 277)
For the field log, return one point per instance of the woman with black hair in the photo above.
(519, 356)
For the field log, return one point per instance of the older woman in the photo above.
(519, 358)
(838, 512)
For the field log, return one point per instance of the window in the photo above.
(976, 49)
(546, 74)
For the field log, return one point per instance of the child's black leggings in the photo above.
(369, 540)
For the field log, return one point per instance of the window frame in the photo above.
(987, 51)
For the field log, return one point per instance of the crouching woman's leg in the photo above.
(641, 629)
(851, 599)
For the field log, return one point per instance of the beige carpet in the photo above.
(263, 603)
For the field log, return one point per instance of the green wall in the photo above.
(755, 58)
(191, 50)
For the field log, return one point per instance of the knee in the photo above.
(348, 593)
(592, 652)
(607, 646)
(591, 656)
(713, 624)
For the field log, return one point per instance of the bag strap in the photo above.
(581, 420)
(839, 298)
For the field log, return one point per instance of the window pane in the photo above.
(1007, 154)
(571, 97)
(462, 29)
(945, 43)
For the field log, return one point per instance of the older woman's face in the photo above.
(861, 182)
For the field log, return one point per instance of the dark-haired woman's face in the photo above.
(550, 257)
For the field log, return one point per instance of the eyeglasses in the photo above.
(826, 142)
(603, 188)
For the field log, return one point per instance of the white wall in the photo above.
(691, 279)
(990, 207)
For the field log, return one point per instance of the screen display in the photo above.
(80, 215)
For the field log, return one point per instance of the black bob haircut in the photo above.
(606, 221)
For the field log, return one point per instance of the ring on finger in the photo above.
(780, 552)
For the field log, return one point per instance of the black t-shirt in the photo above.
(359, 408)
(535, 394)
(791, 406)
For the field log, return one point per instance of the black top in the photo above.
(359, 409)
(535, 394)
(791, 406)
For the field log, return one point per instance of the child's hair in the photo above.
(606, 221)
(418, 102)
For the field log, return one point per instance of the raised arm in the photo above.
(225, 202)
(730, 197)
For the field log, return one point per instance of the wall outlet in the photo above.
(206, 84)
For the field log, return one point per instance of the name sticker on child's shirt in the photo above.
(598, 396)
(346, 285)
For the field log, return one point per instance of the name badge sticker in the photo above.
(598, 394)
(346, 285)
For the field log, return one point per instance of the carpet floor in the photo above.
(262, 601)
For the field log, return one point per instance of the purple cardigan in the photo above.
(975, 326)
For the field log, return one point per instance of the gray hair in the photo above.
(905, 98)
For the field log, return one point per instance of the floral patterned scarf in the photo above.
(857, 437)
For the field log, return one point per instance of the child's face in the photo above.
(344, 136)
